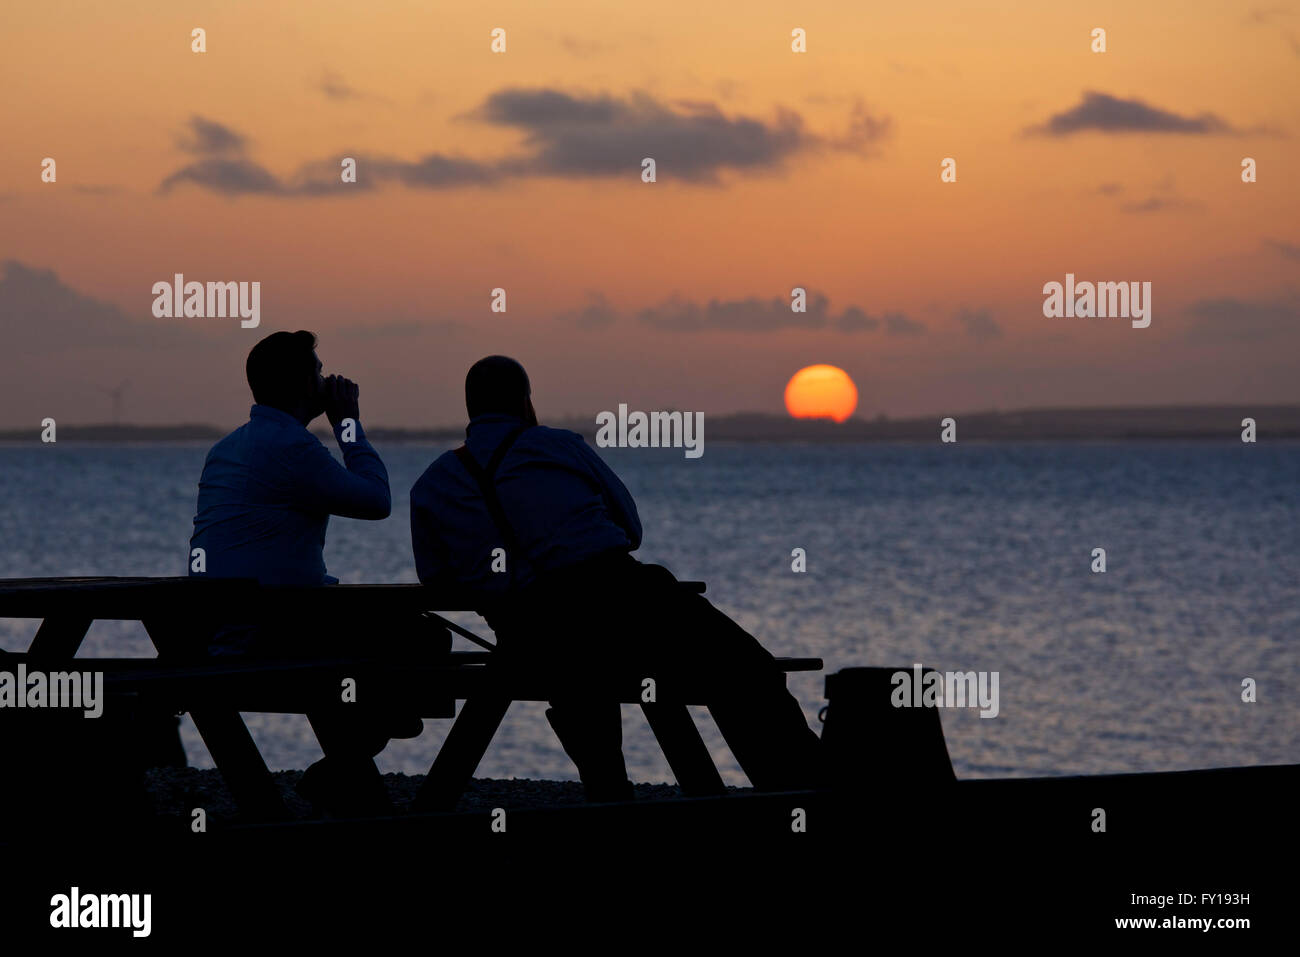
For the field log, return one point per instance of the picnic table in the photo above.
(181, 614)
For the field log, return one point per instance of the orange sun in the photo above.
(821, 392)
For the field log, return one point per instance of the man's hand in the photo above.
(341, 399)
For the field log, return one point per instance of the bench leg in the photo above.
(224, 733)
(59, 637)
(240, 763)
(682, 745)
(461, 753)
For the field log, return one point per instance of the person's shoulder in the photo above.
(439, 470)
(544, 436)
(290, 437)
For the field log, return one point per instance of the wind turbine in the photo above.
(116, 395)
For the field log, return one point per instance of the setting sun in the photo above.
(821, 392)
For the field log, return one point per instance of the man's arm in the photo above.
(617, 498)
(356, 489)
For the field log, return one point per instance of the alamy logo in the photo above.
(217, 300)
(1104, 300)
(950, 689)
(103, 910)
(58, 689)
(638, 430)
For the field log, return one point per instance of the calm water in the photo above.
(963, 557)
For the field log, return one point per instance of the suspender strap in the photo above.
(484, 478)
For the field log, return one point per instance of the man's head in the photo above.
(499, 384)
(284, 373)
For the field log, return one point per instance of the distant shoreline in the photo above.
(1137, 423)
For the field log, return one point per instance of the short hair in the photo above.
(496, 384)
(279, 367)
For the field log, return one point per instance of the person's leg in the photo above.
(762, 722)
(549, 638)
(591, 733)
(347, 780)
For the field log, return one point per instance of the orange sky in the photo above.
(396, 279)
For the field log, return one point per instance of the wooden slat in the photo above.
(224, 734)
(680, 741)
(295, 686)
(461, 753)
(236, 599)
(59, 637)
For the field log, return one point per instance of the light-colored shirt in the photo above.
(266, 495)
(562, 501)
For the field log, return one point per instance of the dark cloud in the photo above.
(1222, 321)
(854, 319)
(230, 177)
(46, 316)
(46, 312)
(1110, 189)
(980, 324)
(333, 86)
(897, 324)
(338, 89)
(1108, 114)
(865, 130)
(564, 134)
(596, 314)
(209, 138)
(769, 315)
(1288, 250)
(434, 171)
(603, 135)
(1157, 204)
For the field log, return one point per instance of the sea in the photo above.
(973, 556)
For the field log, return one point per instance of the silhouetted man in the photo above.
(265, 498)
(569, 596)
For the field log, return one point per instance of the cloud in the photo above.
(333, 86)
(1288, 250)
(208, 138)
(865, 130)
(582, 48)
(1108, 114)
(47, 317)
(564, 135)
(854, 319)
(980, 324)
(230, 177)
(222, 168)
(1156, 204)
(897, 324)
(769, 315)
(1230, 320)
(338, 89)
(596, 314)
(602, 135)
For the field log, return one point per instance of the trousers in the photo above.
(613, 615)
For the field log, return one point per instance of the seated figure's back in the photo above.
(562, 503)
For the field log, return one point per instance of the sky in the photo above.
(522, 170)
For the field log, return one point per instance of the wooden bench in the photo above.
(178, 615)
